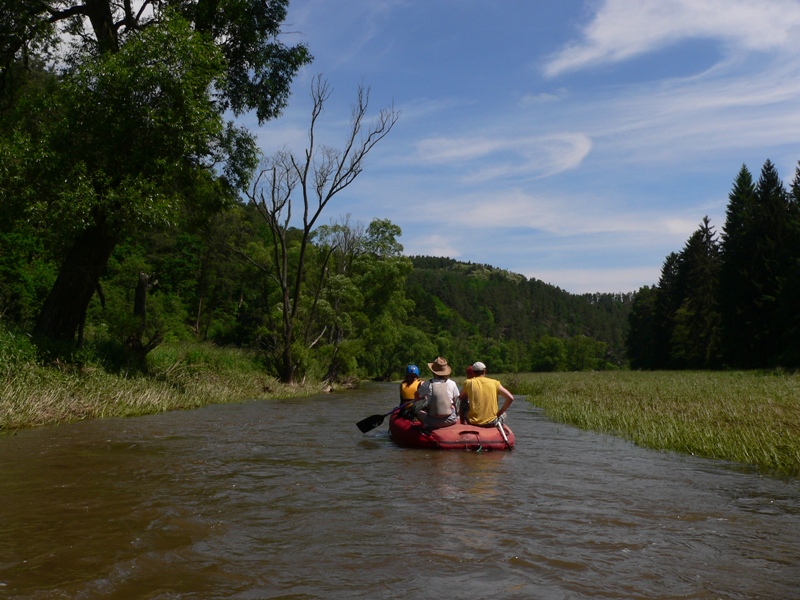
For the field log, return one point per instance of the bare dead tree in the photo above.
(313, 179)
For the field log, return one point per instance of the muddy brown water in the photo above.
(287, 499)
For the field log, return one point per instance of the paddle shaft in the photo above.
(503, 432)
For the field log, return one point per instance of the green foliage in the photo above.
(26, 274)
(513, 324)
(132, 132)
(549, 354)
(16, 351)
(120, 129)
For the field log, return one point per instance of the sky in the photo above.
(577, 142)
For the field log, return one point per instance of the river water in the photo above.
(288, 499)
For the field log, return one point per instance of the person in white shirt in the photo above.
(441, 395)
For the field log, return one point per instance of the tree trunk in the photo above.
(138, 349)
(64, 310)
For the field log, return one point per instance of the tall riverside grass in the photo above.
(746, 417)
(181, 376)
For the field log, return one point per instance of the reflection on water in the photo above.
(287, 499)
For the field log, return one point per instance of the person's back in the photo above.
(482, 393)
(409, 385)
(440, 402)
(409, 389)
(440, 397)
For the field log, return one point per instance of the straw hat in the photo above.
(440, 367)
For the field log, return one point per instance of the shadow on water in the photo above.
(287, 499)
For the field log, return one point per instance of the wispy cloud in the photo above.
(320, 21)
(482, 159)
(621, 29)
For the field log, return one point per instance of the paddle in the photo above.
(503, 431)
(374, 421)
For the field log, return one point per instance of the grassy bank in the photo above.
(747, 417)
(180, 376)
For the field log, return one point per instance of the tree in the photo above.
(643, 351)
(549, 354)
(584, 354)
(788, 314)
(137, 125)
(365, 299)
(670, 292)
(754, 267)
(695, 336)
(310, 180)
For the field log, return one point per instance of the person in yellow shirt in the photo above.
(482, 393)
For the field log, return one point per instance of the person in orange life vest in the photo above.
(482, 393)
(408, 390)
(463, 409)
(441, 397)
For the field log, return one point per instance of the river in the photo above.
(288, 499)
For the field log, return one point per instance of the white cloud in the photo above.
(622, 29)
(487, 158)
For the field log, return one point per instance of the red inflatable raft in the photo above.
(411, 434)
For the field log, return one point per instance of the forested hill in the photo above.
(527, 324)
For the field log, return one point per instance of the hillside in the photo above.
(466, 300)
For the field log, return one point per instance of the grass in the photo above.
(747, 417)
(181, 376)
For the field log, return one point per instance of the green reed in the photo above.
(747, 417)
(181, 376)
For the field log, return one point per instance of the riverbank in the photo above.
(181, 376)
(746, 417)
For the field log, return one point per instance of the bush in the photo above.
(16, 349)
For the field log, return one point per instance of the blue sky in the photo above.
(575, 142)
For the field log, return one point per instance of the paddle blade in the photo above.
(370, 423)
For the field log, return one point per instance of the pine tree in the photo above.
(695, 337)
(669, 297)
(788, 312)
(754, 268)
(735, 270)
(643, 352)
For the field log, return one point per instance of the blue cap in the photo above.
(412, 369)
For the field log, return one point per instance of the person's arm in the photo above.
(509, 398)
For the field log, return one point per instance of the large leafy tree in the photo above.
(136, 126)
